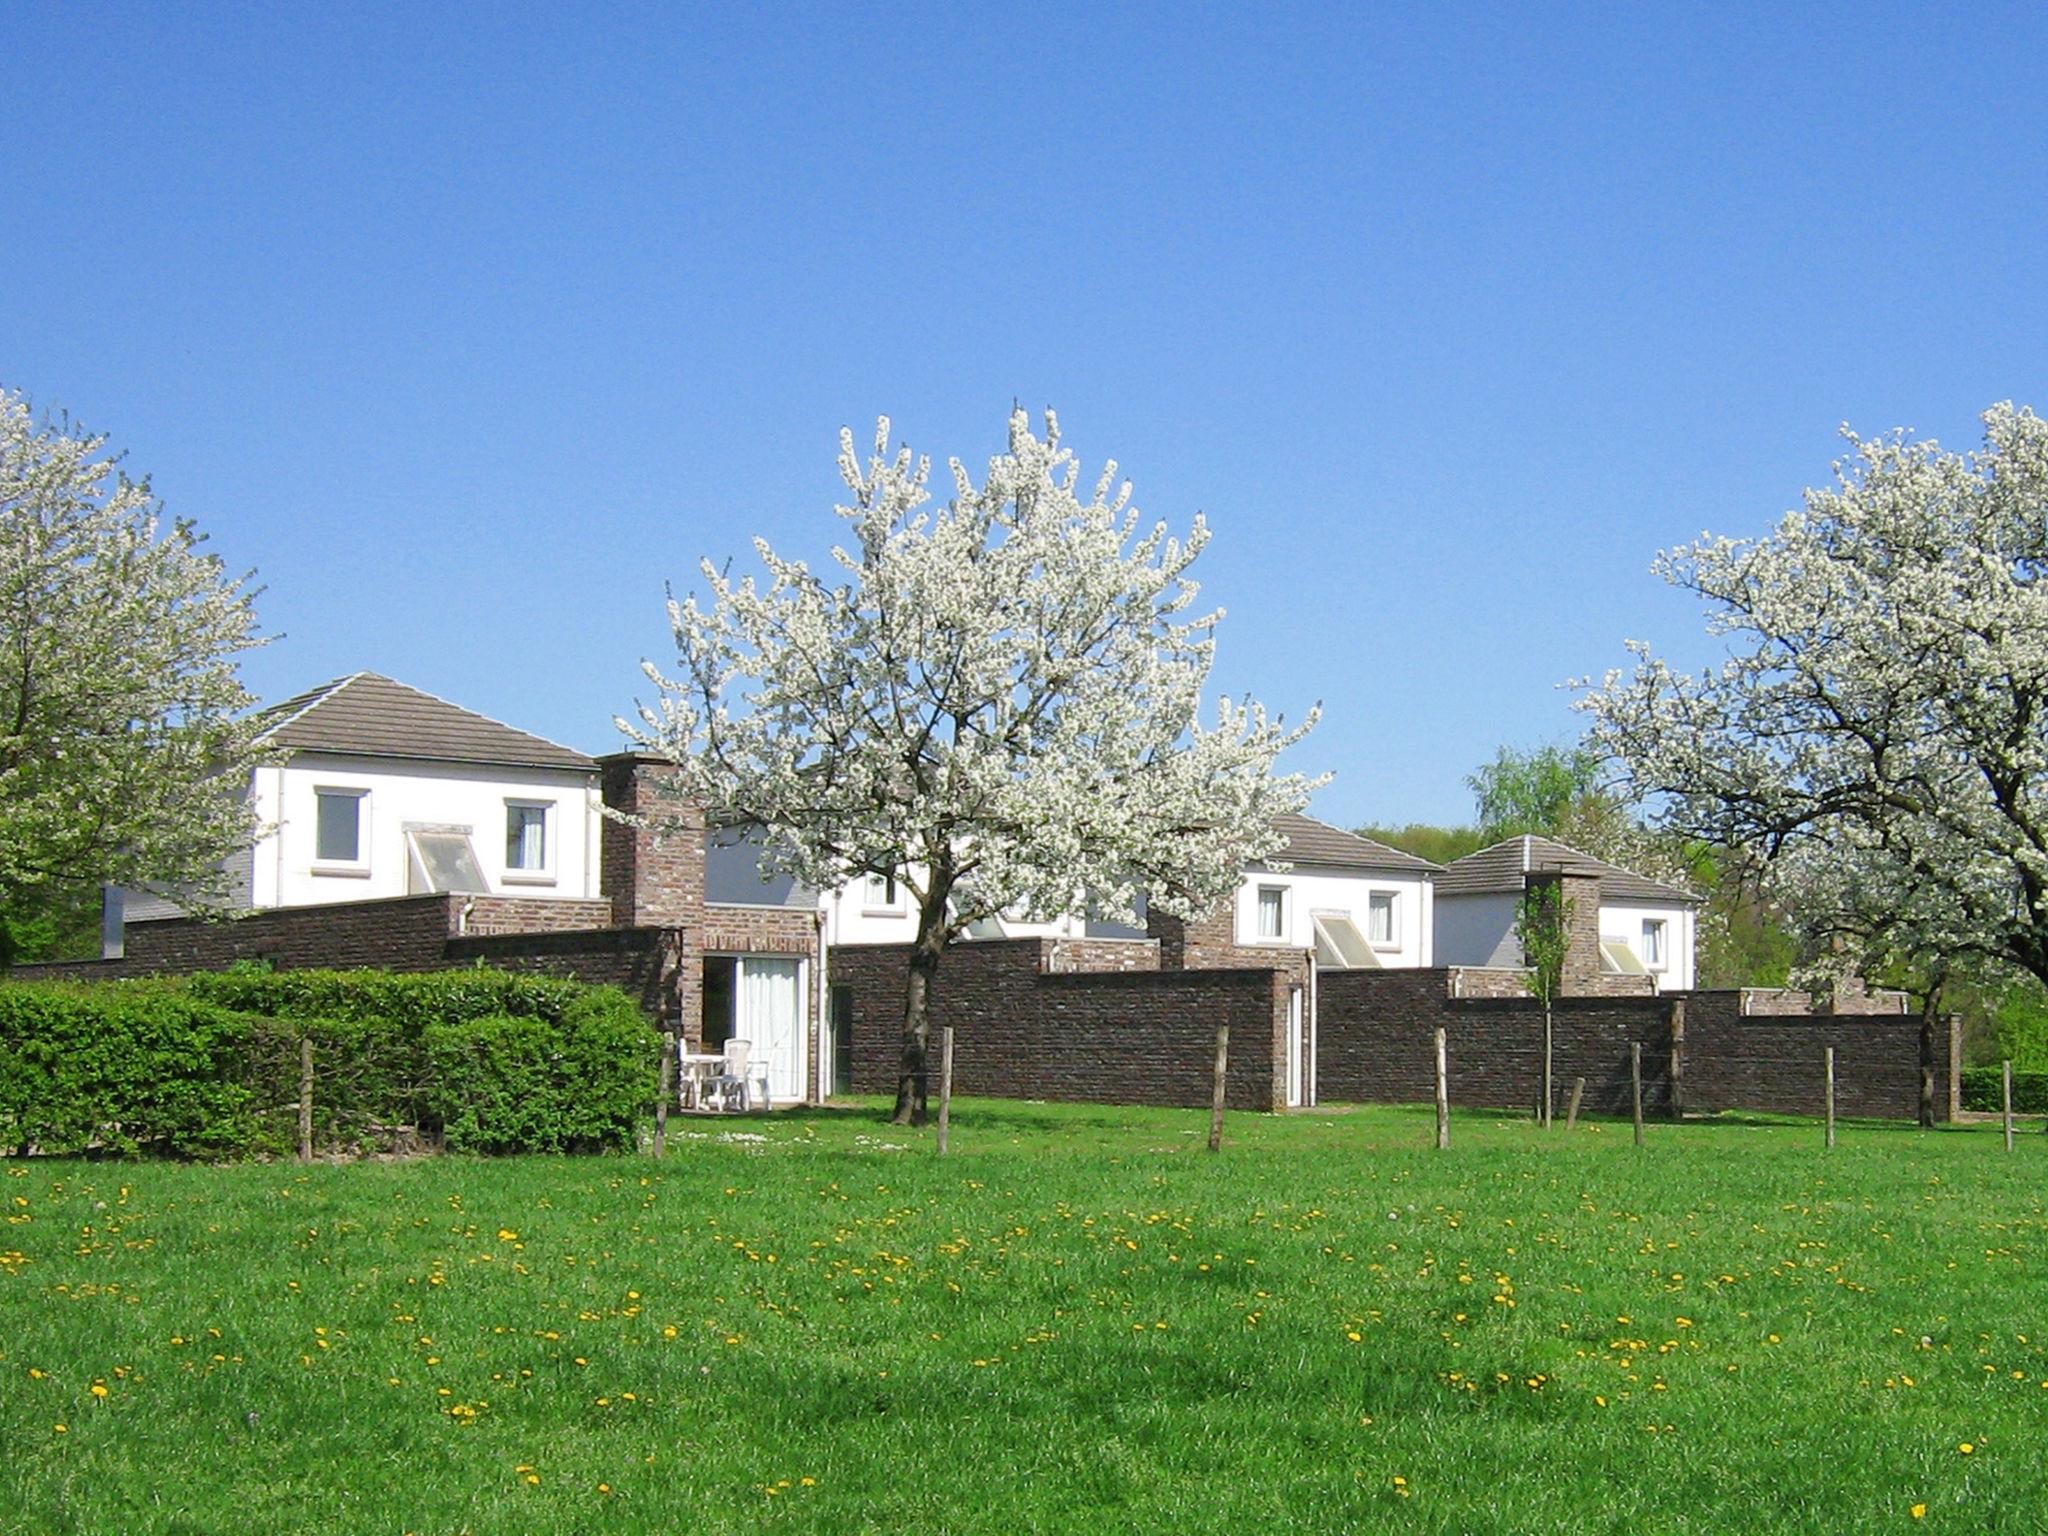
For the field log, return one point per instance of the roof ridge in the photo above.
(314, 698)
(479, 714)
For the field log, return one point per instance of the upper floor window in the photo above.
(338, 826)
(1380, 925)
(1272, 912)
(881, 892)
(1653, 943)
(526, 836)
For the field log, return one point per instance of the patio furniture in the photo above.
(730, 1086)
(695, 1073)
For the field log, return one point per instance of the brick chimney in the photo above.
(1580, 888)
(653, 872)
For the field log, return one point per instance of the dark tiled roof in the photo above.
(372, 716)
(1504, 866)
(1322, 846)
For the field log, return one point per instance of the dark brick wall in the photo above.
(1376, 1042)
(1775, 1061)
(644, 962)
(1021, 1031)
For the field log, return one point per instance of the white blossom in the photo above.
(994, 700)
(1879, 727)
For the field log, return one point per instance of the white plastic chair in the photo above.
(731, 1082)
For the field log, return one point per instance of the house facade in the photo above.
(1646, 929)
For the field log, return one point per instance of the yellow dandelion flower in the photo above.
(1919, 1511)
(1966, 1449)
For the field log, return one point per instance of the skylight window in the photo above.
(1339, 944)
(443, 861)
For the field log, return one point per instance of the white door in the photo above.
(769, 1010)
(1297, 1053)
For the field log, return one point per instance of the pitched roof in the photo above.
(1505, 866)
(367, 715)
(1323, 846)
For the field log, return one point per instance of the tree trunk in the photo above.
(1928, 1016)
(914, 1074)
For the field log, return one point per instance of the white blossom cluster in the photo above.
(994, 701)
(124, 747)
(1879, 728)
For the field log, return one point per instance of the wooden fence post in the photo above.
(305, 1097)
(1216, 1094)
(1678, 1058)
(1830, 1060)
(1443, 1095)
(2008, 1106)
(945, 1088)
(670, 1044)
(1635, 1079)
(1571, 1115)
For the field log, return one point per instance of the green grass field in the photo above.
(1081, 1321)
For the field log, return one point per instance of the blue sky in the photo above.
(468, 328)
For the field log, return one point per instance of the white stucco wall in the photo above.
(1624, 925)
(1476, 930)
(1480, 930)
(1313, 892)
(285, 871)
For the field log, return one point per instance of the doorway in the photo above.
(759, 999)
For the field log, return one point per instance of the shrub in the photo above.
(123, 1068)
(1982, 1089)
(208, 1065)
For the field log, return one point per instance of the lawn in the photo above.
(1080, 1321)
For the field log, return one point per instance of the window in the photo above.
(526, 836)
(880, 893)
(1653, 943)
(1617, 959)
(1379, 919)
(442, 860)
(338, 831)
(1339, 944)
(1272, 912)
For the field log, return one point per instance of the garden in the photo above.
(1079, 1320)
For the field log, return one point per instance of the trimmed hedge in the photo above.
(208, 1065)
(1983, 1089)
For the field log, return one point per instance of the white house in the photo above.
(1357, 903)
(1646, 927)
(383, 790)
(1353, 901)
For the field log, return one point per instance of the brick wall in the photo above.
(1210, 943)
(1376, 1042)
(527, 914)
(653, 870)
(643, 962)
(759, 930)
(1486, 981)
(1775, 1061)
(1102, 955)
(1136, 1036)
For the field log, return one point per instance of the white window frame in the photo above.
(357, 868)
(549, 823)
(887, 903)
(1391, 900)
(1657, 956)
(1259, 934)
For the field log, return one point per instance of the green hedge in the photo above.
(1983, 1089)
(208, 1066)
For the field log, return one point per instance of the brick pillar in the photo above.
(1581, 892)
(653, 871)
(1203, 944)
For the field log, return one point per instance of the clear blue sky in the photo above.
(467, 328)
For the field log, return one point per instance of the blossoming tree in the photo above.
(124, 745)
(1879, 727)
(994, 703)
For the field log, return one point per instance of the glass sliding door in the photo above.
(769, 1011)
